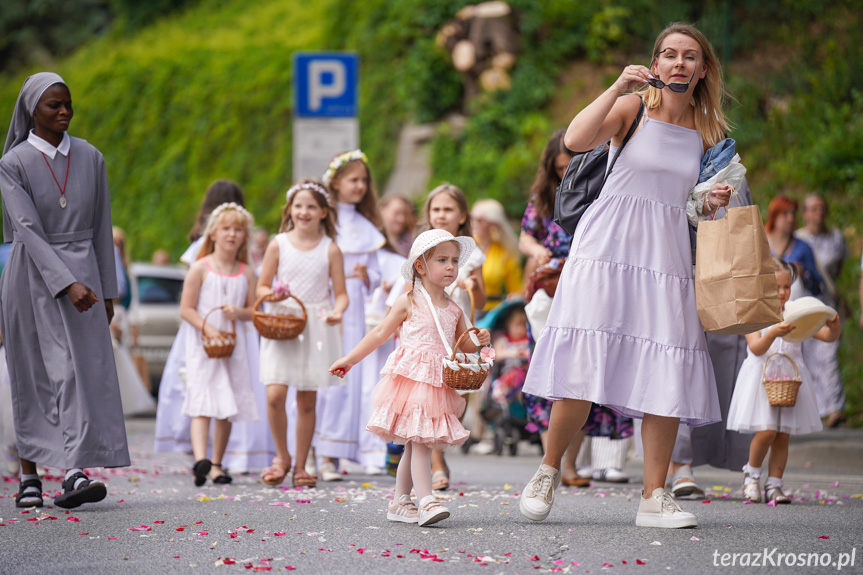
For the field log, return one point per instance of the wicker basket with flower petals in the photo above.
(221, 346)
(781, 389)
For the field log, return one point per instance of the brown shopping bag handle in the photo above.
(734, 195)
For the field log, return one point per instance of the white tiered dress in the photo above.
(750, 410)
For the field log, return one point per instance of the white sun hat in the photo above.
(429, 239)
(807, 315)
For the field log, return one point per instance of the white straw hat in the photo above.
(807, 315)
(429, 239)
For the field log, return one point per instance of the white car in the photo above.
(154, 313)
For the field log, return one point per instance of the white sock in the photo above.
(773, 482)
(73, 471)
(548, 468)
(30, 490)
(754, 472)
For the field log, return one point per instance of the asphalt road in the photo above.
(155, 521)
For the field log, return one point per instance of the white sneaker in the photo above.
(404, 510)
(610, 474)
(373, 470)
(660, 510)
(329, 472)
(431, 511)
(538, 495)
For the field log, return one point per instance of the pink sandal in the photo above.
(276, 473)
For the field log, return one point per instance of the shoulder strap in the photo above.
(433, 311)
(625, 139)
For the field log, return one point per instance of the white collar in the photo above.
(46, 147)
(356, 234)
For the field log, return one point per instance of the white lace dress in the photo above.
(303, 363)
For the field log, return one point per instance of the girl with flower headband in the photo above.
(250, 446)
(303, 260)
(340, 428)
(412, 406)
(219, 389)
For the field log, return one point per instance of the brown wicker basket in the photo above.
(781, 392)
(464, 379)
(221, 346)
(280, 327)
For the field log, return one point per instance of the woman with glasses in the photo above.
(623, 330)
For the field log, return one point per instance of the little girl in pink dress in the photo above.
(412, 404)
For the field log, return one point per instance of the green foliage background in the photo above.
(182, 93)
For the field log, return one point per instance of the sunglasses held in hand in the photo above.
(678, 87)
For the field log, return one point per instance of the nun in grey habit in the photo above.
(55, 297)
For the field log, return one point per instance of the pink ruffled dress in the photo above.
(411, 402)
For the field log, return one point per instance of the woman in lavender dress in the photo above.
(623, 330)
(542, 241)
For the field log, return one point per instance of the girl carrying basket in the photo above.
(218, 388)
(751, 411)
(302, 259)
(412, 405)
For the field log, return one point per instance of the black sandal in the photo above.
(19, 499)
(224, 478)
(201, 469)
(88, 492)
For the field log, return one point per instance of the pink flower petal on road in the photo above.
(823, 537)
(694, 538)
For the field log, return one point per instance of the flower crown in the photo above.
(231, 206)
(340, 161)
(312, 186)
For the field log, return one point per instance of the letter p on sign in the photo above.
(325, 84)
(326, 80)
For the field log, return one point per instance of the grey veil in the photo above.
(22, 117)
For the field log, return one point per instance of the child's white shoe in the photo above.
(404, 510)
(661, 510)
(329, 472)
(431, 511)
(751, 489)
(538, 495)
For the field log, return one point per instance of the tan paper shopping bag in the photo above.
(735, 287)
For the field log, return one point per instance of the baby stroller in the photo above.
(503, 409)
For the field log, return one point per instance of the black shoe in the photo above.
(224, 478)
(87, 492)
(201, 469)
(29, 499)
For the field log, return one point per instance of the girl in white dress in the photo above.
(303, 259)
(341, 430)
(750, 410)
(250, 446)
(218, 388)
(446, 209)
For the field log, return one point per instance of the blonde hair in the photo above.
(780, 265)
(709, 94)
(456, 194)
(501, 232)
(237, 213)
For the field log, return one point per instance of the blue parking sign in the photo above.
(325, 84)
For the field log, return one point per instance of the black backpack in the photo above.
(583, 181)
